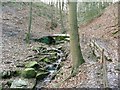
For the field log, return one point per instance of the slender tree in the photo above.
(61, 16)
(77, 58)
(30, 23)
(63, 5)
(52, 12)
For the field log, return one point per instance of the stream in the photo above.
(48, 59)
(51, 68)
(41, 67)
(55, 51)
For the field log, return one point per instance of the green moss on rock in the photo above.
(41, 75)
(31, 64)
(29, 73)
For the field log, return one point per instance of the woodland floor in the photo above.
(100, 29)
(15, 50)
(14, 28)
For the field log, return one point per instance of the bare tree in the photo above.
(77, 58)
(61, 16)
(30, 23)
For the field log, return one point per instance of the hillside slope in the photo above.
(103, 29)
(15, 51)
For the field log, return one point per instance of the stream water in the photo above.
(52, 69)
(59, 54)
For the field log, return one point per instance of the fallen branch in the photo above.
(97, 50)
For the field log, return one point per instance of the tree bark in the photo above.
(77, 58)
(61, 17)
(29, 27)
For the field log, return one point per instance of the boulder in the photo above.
(49, 60)
(39, 49)
(5, 74)
(9, 83)
(20, 65)
(19, 83)
(31, 64)
(16, 73)
(28, 73)
(45, 60)
(41, 75)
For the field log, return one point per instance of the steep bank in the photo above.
(104, 30)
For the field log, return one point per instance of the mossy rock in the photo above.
(49, 60)
(42, 64)
(42, 70)
(32, 64)
(5, 74)
(53, 58)
(20, 65)
(41, 75)
(46, 60)
(19, 83)
(53, 54)
(50, 51)
(16, 73)
(60, 38)
(9, 83)
(40, 49)
(28, 73)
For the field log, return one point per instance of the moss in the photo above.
(41, 75)
(29, 73)
(31, 64)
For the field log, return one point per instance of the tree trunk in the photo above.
(61, 18)
(77, 58)
(52, 12)
(30, 23)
